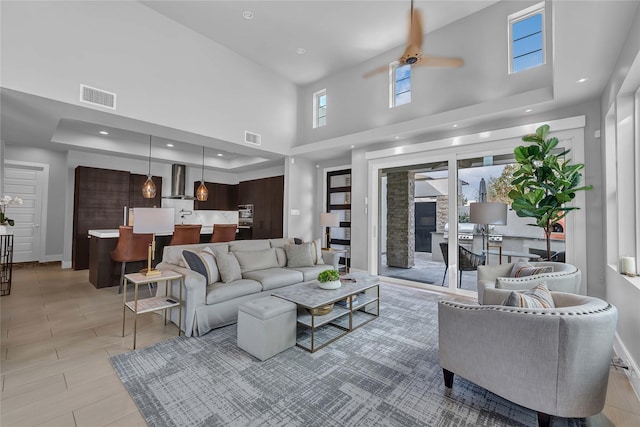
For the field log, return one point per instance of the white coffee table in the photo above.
(344, 319)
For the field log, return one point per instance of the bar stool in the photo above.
(224, 233)
(186, 234)
(130, 247)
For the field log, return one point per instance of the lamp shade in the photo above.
(493, 213)
(329, 219)
(153, 220)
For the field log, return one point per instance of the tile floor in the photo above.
(58, 332)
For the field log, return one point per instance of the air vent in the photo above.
(99, 97)
(252, 138)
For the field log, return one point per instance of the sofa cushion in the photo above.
(523, 268)
(272, 278)
(220, 292)
(299, 255)
(256, 260)
(228, 266)
(249, 245)
(311, 273)
(538, 297)
(202, 262)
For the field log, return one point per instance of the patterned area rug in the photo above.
(384, 374)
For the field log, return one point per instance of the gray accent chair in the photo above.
(553, 361)
(563, 278)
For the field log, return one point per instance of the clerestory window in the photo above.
(400, 84)
(320, 108)
(526, 39)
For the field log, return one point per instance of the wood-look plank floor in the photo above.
(57, 334)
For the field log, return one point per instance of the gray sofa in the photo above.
(552, 360)
(264, 267)
(563, 278)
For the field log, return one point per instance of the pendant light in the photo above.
(149, 188)
(202, 194)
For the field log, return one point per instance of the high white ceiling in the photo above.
(336, 35)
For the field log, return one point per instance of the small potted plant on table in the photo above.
(329, 279)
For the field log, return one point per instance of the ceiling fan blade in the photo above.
(381, 69)
(415, 29)
(439, 61)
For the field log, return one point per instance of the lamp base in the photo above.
(150, 272)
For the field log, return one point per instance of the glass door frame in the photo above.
(569, 131)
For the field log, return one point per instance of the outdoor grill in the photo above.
(466, 231)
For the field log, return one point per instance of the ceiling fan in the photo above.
(413, 52)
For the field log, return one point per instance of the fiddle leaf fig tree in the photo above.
(544, 182)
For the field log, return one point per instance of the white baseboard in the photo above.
(51, 258)
(66, 264)
(634, 372)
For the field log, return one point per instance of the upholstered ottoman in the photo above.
(266, 326)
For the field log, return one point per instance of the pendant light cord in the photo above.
(149, 174)
(202, 179)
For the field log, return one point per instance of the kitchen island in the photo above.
(103, 272)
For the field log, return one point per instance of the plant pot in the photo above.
(335, 284)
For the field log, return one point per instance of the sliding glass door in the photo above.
(416, 238)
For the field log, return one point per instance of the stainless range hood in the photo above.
(178, 177)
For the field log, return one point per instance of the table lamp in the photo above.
(153, 220)
(327, 220)
(488, 213)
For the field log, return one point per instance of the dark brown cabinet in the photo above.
(267, 197)
(223, 197)
(100, 196)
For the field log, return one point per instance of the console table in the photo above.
(6, 263)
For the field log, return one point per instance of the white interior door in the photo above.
(26, 182)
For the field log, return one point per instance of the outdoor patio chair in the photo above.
(467, 261)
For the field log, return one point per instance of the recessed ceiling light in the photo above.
(455, 126)
(169, 145)
(301, 50)
(353, 146)
(528, 110)
(397, 137)
(582, 80)
(247, 14)
(220, 154)
(104, 132)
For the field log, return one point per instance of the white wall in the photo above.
(57, 192)
(355, 104)
(301, 209)
(162, 72)
(621, 291)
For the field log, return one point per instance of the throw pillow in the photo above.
(202, 262)
(523, 268)
(282, 257)
(538, 297)
(299, 255)
(317, 251)
(257, 260)
(228, 266)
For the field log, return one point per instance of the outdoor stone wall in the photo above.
(442, 212)
(401, 238)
